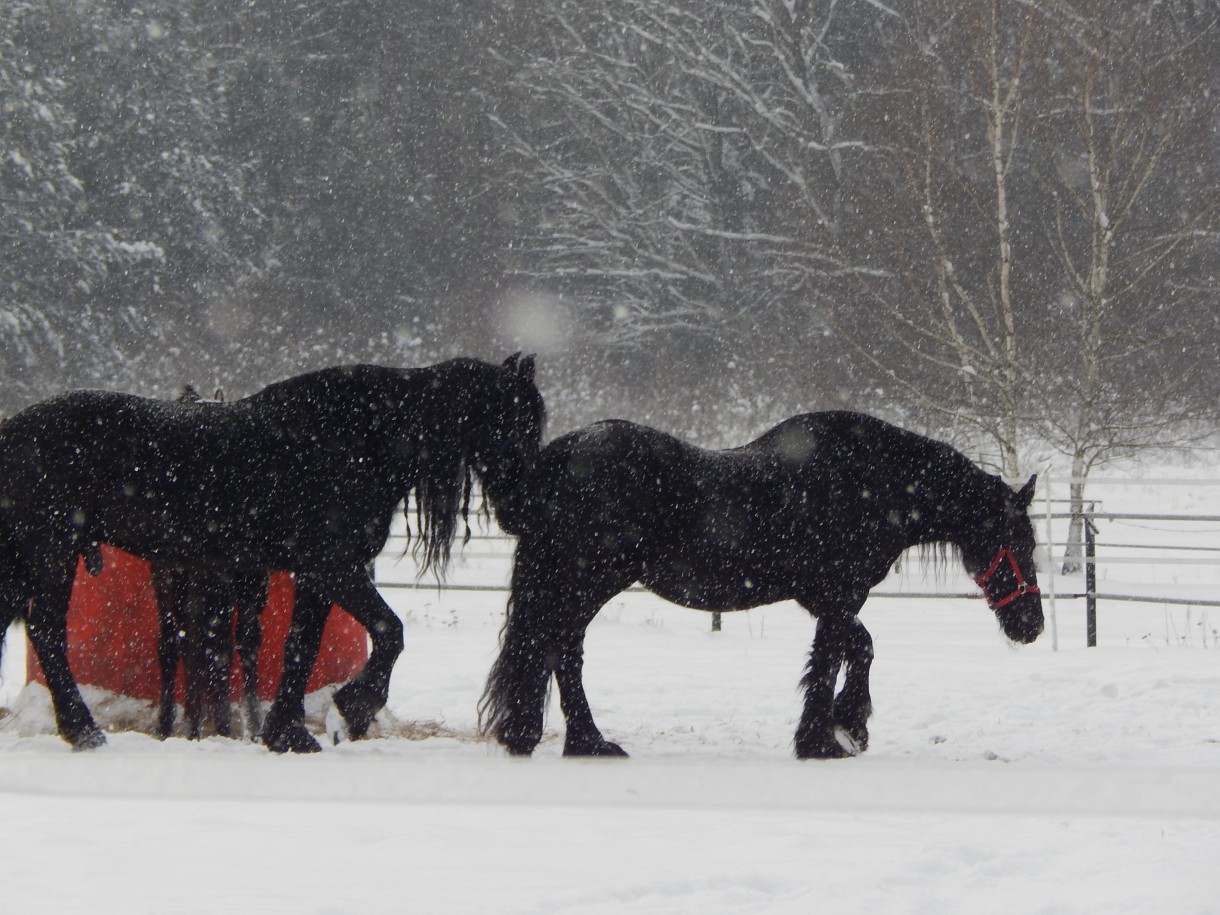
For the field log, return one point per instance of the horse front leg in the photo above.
(47, 629)
(284, 728)
(854, 704)
(815, 738)
(358, 702)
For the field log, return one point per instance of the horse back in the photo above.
(646, 489)
(311, 466)
(806, 505)
(643, 475)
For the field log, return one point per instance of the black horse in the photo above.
(196, 608)
(303, 476)
(816, 510)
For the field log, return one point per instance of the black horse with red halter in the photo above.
(816, 510)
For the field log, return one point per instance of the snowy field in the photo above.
(999, 779)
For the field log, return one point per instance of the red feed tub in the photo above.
(112, 635)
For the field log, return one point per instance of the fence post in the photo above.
(1090, 579)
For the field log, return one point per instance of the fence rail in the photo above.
(1163, 554)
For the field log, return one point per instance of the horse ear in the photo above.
(1026, 494)
(526, 369)
(511, 361)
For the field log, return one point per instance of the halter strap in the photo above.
(1023, 587)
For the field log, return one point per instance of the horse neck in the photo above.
(953, 498)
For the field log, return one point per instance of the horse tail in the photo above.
(493, 707)
(513, 705)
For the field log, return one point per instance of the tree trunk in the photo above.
(1074, 548)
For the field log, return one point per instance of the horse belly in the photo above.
(730, 586)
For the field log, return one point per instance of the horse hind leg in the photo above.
(195, 664)
(513, 706)
(169, 640)
(218, 664)
(549, 610)
(170, 633)
(582, 738)
(47, 629)
(194, 677)
(251, 599)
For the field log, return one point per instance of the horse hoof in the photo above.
(825, 749)
(89, 740)
(850, 742)
(603, 748)
(292, 739)
(834, 752)
(518, 746)
(518, 743)
(357, 706)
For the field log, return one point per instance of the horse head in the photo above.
(505, 441)
(1001, 561)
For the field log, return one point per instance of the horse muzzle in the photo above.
(1022, 619)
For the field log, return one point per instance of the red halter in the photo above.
(1023, 587)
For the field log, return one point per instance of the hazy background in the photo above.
(996, 222)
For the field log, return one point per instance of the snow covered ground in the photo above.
(999, 779)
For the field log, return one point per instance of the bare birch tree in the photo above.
(937, 313)
(1041, 236)
(1131, 217)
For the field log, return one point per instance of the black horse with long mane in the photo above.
(303, 476)
(817, 510)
